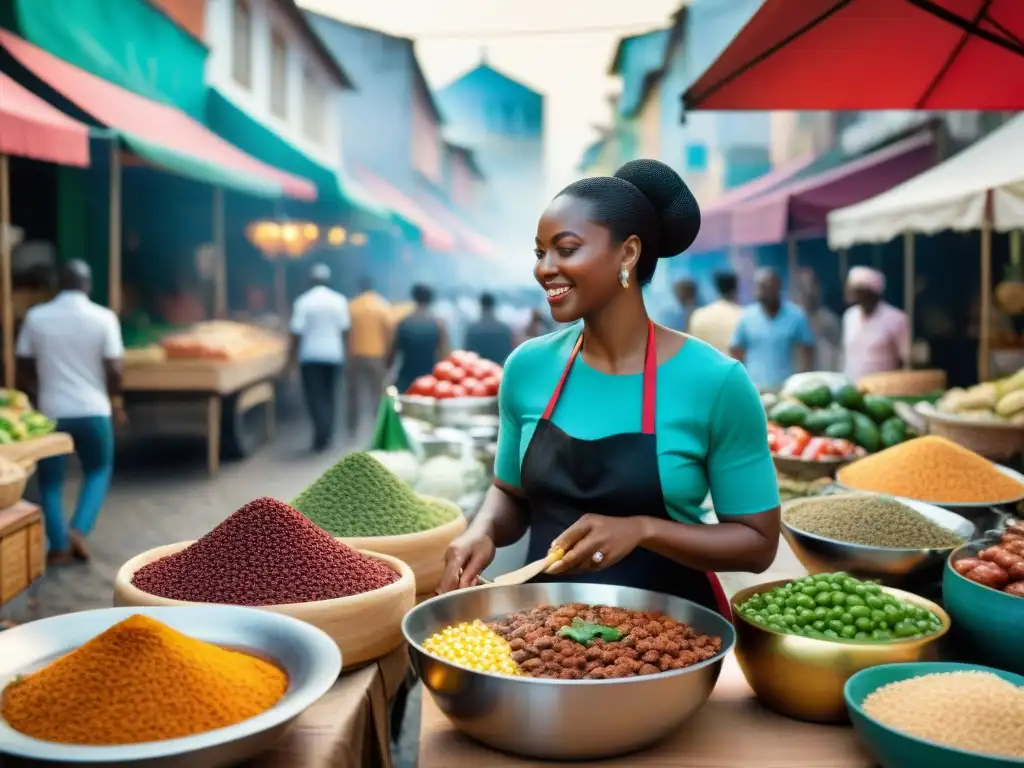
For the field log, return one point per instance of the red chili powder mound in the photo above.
(266, 553)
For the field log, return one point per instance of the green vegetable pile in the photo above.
(359, 497)
(17, 419)
(584, 633)
(866, 420)
(836, 606)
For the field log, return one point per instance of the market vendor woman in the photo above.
(613, 432)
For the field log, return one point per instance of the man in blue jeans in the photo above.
(70, 362)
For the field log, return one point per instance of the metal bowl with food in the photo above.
(988, 622)
(803, 677)
(892, 566)
(308, 656)
(562, 719)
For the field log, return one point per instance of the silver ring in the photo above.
(597, 557)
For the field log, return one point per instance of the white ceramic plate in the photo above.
(311, 659)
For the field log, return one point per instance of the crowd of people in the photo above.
(776, 337)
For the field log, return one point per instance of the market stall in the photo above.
(212, 379)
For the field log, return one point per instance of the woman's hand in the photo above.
(464, 561)
(613, 537)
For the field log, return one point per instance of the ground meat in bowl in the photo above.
(650, 642)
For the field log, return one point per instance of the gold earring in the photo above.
(624, 277)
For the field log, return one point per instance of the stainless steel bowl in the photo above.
(891, 566)
(465, 411)
(562, 719)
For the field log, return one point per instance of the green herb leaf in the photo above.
(584, 633)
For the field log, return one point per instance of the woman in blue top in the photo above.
(613, 431)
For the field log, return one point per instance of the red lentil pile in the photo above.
(266, 553)
(651, 642)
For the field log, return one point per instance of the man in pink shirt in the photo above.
(876, 335)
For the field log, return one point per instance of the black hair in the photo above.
(726, 283)
(648, 199)
(487, 301)
(422, 295)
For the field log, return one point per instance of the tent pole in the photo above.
(114, 244)
(6, 278)
(220, 287)
(794, 265)
(984, 341)
(909, 283)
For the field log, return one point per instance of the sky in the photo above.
(570, 69)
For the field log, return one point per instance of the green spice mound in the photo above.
(359, 497)
(870, 521)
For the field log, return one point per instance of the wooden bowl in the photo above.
(365, 627)
(806, 469)
(996, 440)
(423, 552)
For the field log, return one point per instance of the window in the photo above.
(696, 158)
(241, 43)
(278, 74)
(314, 107)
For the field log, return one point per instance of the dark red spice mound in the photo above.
(266, 553)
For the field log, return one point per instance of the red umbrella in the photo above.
(871, 54)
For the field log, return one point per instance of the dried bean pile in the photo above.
(266, 553)
(651, 643)
(359, 497)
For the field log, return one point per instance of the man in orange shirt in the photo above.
(368, 340)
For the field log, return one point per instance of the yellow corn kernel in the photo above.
(475, 646)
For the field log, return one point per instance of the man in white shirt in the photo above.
(716, 323)
(70, 360)
(876, 335)
(320, 324)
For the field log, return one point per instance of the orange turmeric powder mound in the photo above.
(931, 469)
(141, 681)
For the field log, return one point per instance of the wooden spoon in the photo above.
(527, 572)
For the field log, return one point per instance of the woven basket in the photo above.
(365, 627)
(903, 383)
(998, 441)
(13, 488)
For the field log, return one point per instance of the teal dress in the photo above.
(710, 426)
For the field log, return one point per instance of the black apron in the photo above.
(564, 478)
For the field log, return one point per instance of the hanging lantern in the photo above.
(358, 238)
(273, 239)
(336, 236)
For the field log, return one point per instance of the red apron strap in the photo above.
(650, 382)
(721, 601)
(561, 382)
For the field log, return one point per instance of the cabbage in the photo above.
(449, 478)
(402, 464)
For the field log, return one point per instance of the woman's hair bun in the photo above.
(677, 209)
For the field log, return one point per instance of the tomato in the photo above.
(490, 385)
(474, 388)
(424, 386)
(800, 438)
(815, 450)
(462, 358)
(444, 390)
(774, 429)
(457, 375)
(458, 390)
(443, 370)
(773, 441)
(477, 369)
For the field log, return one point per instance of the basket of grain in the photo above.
(269, 556)
(13, 479)
(362, 504)
(997, 439)
(903, 383)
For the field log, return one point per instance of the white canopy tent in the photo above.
(952, 195)
(981, 188)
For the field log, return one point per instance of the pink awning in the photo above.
(29, 127)
(801, 207)
(435, 236)
(137, 116)
(716, 219)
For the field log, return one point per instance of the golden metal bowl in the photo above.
(803, 677)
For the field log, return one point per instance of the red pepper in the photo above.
(773, 441)
(788, 447)
(800, 438)
(815, 450)
(843, 448)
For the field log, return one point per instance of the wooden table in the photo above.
(731, 731)
(162, 397)
(349, 727)
(22, 550)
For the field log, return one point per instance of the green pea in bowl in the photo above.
(987, 623)
(802, 675)
(895, 749)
